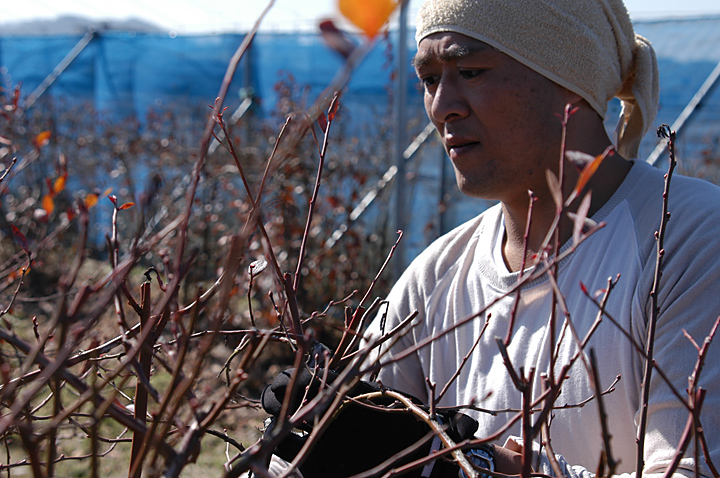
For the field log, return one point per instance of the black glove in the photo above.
(360, 437)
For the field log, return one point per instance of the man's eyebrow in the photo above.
(452, 53)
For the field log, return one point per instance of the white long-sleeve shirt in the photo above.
(463, 271)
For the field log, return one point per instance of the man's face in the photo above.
(498, 119)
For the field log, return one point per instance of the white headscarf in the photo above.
(586, 46)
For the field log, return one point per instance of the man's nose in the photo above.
(448, 102)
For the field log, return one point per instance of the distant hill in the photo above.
(73, 25)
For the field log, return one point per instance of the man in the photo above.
(497, 76)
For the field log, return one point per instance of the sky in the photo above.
(217, 16)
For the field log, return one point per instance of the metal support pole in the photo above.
(442, 220)
(691, 107)
(400, 135)
(372, 194)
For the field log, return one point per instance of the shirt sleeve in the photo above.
(406, 375)
(689, 304)
(689, 301)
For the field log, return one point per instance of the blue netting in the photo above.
(125, 74)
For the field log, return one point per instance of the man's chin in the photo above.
(474, 191)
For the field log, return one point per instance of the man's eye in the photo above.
(428, 80)
(470, 74)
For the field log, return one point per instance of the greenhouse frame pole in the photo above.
(58, 70)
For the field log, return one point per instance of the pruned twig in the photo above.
(664, 131)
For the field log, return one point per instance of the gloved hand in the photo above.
(360, 437)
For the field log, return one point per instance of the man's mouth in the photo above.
(457, 146)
